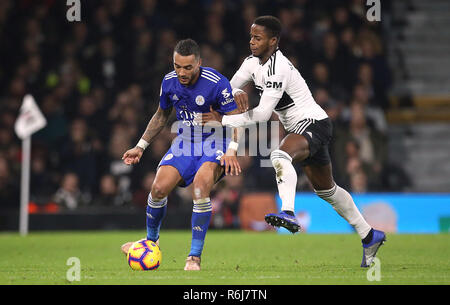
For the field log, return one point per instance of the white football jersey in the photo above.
(278, 78)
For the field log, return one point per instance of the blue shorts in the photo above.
(187, 157)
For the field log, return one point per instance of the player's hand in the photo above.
(210, 118)
(132, 156)
(230, 162)
(241, 99)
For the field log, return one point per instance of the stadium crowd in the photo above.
(97, 82)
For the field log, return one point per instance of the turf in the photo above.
(229, 257)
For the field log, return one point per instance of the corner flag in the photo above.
(30, 118)
(29, 121)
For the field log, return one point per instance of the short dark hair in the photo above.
(187, 47)
(272, 25)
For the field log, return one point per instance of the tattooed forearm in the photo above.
(156, 124)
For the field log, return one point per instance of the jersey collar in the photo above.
(268, 59)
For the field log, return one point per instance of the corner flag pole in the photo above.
(29, 121)
(25, 186)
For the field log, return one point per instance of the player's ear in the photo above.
(199, 61)
(273, 41)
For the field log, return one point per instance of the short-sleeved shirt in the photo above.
(195, 144)
(211, 89)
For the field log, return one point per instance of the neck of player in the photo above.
(265, 57)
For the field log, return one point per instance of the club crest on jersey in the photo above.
(199, 100)
(168, 157)
(225, 93)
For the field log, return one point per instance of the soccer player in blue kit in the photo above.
(198, 156)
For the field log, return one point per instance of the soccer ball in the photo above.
(144, 255)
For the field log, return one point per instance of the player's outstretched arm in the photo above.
(260, 113)
(154, 127)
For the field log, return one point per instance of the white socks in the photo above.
(339, 198)
(343, 204)
(286, 178)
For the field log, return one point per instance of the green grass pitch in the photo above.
(229, 258)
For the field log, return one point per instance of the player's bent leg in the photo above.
(296, 146)
(167, 178)
(286, 177)
(204, 179)
(342, 202)
(293, 148)
(202, 210)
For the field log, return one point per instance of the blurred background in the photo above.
(385, 84)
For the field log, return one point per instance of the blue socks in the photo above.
(201, 216)
(156, 210)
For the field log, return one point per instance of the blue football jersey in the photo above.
(211, 89)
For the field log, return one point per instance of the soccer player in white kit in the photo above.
(284, 91)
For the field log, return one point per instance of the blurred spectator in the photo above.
(331, 106)
(106, 63)
(97, 83)
(42, 183)
(371, 52)
(374, 115)
(56, 129)
(376, 94)
(371, 143)
(88, 110)
(164, 53)
(9, 191)
(225, 203)
(112, 162)
(347, 40)
(336, 60)
(143, 58)
(140, 196)
(152, 158)
(108, 194)
(69, 196)
(78, 155)
(358, 182)
(367, 146)
(321, 79)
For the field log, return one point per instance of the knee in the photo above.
(296, 146)
(200, 189)
(159, 191)
(277, 155)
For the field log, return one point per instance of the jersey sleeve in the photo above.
(164, 101)
(224, 99)
(260, 113)
(243, 75)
